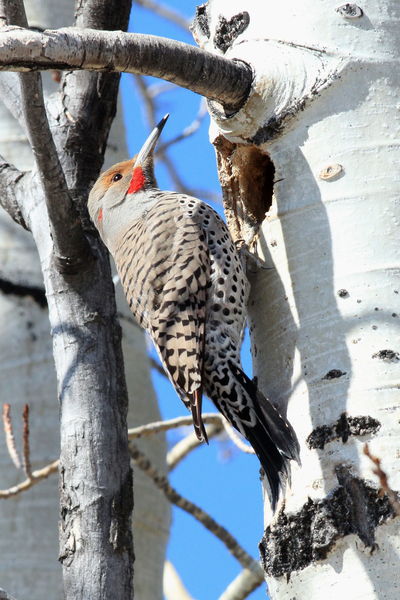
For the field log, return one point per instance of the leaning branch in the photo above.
(215, 77)
(70, 245)
(198, 513)
(243, 585)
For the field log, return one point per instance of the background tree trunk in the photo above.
(27, 375)
(325, 320)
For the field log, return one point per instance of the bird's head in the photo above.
(117, 190)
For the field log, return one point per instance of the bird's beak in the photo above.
(149, 145)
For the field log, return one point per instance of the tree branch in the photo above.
(70, 245)
(189, 443)
(243, 585)
(71, 248)
(199, 514)
(159, 426)
(36, 477)
(173, 587)
(150, 105)
(216, 77)
(189, 130)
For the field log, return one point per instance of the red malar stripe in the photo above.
(138, 180)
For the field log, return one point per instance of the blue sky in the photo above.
(219, 477)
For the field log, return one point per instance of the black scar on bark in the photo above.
(227, 31)
(295, 541)
(334, 374)
(16, 289)
(200, 25)
(387, 355)
(121, 517)
(344, 427)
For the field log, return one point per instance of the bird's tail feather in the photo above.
(272, 437)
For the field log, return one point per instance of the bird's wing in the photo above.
(177, 318)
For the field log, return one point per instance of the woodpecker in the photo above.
(185, 284)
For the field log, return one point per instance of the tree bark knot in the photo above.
(297, 540)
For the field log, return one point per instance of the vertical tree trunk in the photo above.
(28, 376)
(322, 123)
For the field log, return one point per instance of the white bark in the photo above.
(27, 375)
(325, 320)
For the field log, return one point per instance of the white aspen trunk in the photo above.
(27, 376)
(325, 320)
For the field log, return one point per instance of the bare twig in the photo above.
(159, 426)
(214, 420)
(383, 480)
(179, 184)
(213, 76)
(199, 514)
(166, 12)
(26, 452)
(173, 587)
(9, 433)
(137, 432)
(189, 130)
(243, 585)
(189, 443)
(155, 89)
(236, 439)
(148, 100)
(35, 478)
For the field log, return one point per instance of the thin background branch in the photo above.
(166, 12)
(189, 443)
(70, 245)
(149, 101)
(36, 477)
(173, 586)
(243, 585)
(199, 514)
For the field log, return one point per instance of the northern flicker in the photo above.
(185, 284)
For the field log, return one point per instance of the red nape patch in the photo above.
(100, 215)
(138, 180)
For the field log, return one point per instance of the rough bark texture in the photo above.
(225, 81)
(95, 474)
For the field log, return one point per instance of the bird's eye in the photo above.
(116, 177)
